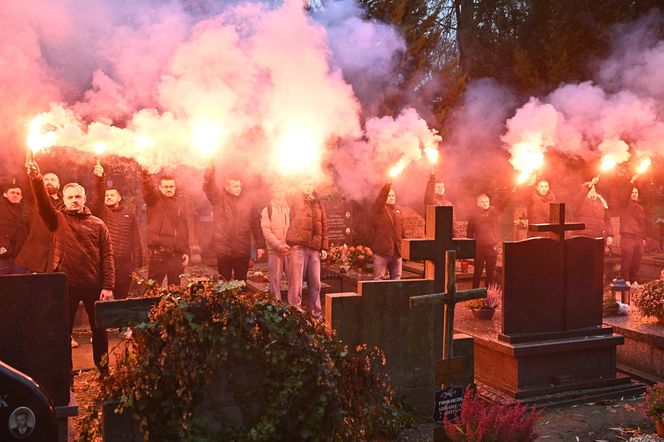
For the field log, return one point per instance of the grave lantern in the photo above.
(618, 285)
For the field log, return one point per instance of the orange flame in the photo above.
(100, 148)
(432, 154)
(607, 163)
(396, 170)
(644, 165)
(206, 138)
(526, 159)
(298, 151)
(38, 139)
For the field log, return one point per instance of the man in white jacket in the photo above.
(275, 219)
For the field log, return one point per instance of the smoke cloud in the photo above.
(268, 90)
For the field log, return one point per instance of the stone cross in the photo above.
(557, 225)
(438, 239)
(448, 370)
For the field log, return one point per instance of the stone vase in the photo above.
(483, 313)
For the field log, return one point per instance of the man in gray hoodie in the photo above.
(275, 219)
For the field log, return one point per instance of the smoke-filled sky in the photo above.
(264, 89)
(270, 89)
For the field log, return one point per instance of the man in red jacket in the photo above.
(122, 225)
(387, 236)
(81, 250)
(308, 237)
(37, 247)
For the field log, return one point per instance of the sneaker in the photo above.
(74, 344)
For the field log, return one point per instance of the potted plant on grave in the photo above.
(649, 298)
(654, 404)
(485, 308)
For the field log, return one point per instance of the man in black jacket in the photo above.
(13, 229)
(123, 227)
(633, 225)
(235, 221)
(171, 232)
(81, 250)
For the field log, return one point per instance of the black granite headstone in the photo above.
(26, 413)
(340, 221)
(34, 335)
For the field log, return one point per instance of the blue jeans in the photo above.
(277, 265)
(382, 264)
(9, 267)
(305, 261)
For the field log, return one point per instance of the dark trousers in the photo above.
(485, 256)
(123, 271)
(233, 267)
(161, 265)
(631, 252)
(99, 336)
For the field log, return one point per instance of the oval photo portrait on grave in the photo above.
(21, 423)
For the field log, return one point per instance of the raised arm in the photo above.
(381, 199)
(46, 210)
(97, 205)
(150, 194)
(210, 185)
(430, 191)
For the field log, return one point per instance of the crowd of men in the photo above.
(587, 206)
(44, 228)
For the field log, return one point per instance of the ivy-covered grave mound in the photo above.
(219, 363)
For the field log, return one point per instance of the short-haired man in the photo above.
(37, 248)
(235, 221)
(171, 234)
(81, 250)
(13, 229)
(539, 203)
(483, 227)
(122, 225)
(275, 219)
(22, 429)
(308, 237)
(387, 236)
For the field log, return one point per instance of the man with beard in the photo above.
(81, 250)
(539, 205)
(123, 228)
(308, 237)
(235, 221)
(633, 227)
(35, 251)
(13, 229)
(387, 235)
(171, 234)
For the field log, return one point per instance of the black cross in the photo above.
(448, 299)
(438, 238)
(557, 225)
